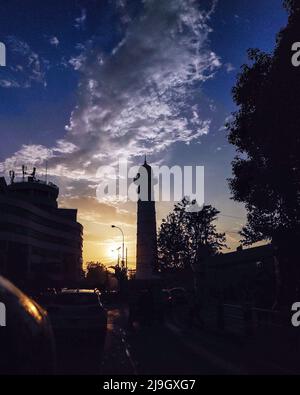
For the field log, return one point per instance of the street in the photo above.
(156, 349)
(162, 349)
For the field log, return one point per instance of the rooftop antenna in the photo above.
(46, 175)
(12, 176)
(24, 172)
(33, 173)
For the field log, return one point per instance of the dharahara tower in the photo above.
(146, 251)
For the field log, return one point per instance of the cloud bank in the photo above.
(140, 98)
(28, 67)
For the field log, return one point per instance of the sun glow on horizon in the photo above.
(113, 250)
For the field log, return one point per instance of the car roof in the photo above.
(79, 291)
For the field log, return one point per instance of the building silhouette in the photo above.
(240, 276)
(146, 255)
(39, 242)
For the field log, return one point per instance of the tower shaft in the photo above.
(146, 255)
(146, 241)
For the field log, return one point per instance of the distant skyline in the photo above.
(91, 82)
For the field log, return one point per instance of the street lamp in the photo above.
(117, 227)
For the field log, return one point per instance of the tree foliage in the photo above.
(266, 132)
(292, 6)
(96, 275)
(187, 237)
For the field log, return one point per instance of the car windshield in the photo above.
(81, 299)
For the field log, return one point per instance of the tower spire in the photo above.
(145, 161)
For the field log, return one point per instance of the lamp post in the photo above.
(117, 227)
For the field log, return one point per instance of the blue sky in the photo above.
(88, 82)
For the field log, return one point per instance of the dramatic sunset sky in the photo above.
(89, 82)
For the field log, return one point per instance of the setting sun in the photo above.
(112, 251)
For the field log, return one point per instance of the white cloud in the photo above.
(8, 84)
(80, 21)
(64, 147)
(29, 155)
(139, 99)
(227, 120)
(54, 41)
(142, 97)
(229, 67)
(77, 61)
(30, 66)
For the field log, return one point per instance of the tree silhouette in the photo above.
(96, 275)
(266, 132)
(187, 237)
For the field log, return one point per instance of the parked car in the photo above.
(78, 314)
(110, 297)
(178, 296)
(26, 338)
(45, 297)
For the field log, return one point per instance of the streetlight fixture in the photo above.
(117, 227)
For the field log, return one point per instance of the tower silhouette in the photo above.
(146, 251)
